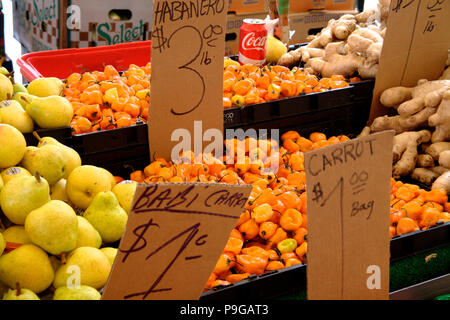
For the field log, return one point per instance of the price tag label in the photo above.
(174, 237)
(348, 192)
(415, 46)
(188, 47)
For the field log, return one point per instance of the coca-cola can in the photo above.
(252, 42)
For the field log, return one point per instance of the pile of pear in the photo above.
(40, 105)
(60, 220)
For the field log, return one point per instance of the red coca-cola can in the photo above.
(252, 42)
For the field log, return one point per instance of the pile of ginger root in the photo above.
(348, 46)
(422, 126)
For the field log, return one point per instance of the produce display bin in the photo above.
(64, 62)
(280, 282)
(344, 111)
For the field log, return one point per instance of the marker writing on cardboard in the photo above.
(199, 42)
(158, 198)
(166, 11)
(190, 233)
(351, 151)
(163, 201)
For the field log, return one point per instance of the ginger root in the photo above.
(425, 160)
(444, 159)
(424, 175)
(405, 151)
(441, 120)
(443, 181)
(346, 46)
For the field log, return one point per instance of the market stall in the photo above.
(125, 167)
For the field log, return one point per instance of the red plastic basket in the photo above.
(64, 62)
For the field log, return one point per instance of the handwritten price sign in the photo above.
(174, 237)
(348, 218)
(188, 46)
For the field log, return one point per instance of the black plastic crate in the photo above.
(279, 282)
(110, 140)
(63, 135)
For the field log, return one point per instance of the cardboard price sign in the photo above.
(348, 219)
(415, 46)
(188, 48)
(175, 234)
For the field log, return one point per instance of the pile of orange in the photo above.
(249, 84)
(271, 232)
(108, 100)
(415, 209)
(104, 100)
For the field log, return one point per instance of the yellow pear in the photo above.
(77, 293)
(85, 182)
(50, 112)
(23, 98)
(73, 158)
(48, 160)
(53, 227)
(20, 294)
(18, 87)
(13, 172)
(87, 235)
(275, 49)
(29, 266)
(13, 114)
(107, 216)
(16, 234)
(6, 88)
(44, 87)
(1, 183)
(22, 195)
(124, 192)
(12, 146)
(89, 263)
(58, 191)
(110, 253)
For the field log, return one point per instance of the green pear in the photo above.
(87, 235)
(22, 195)
(50, 112)
(13, 172)
(85, 182)
(73, 158)
(107, 216)
(58, 191)
(44, 87)
(53, 227)
(124, 192)
(90, 264)
(13, 114)
(12, 146)
(18, 87)
(23, 98)
(2, 244)
(20, 294)
(16, 234)
(6, 88)
(48, 160)
(29, 266)
(80, 293)
(110, 253)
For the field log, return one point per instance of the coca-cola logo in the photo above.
(251, 42)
